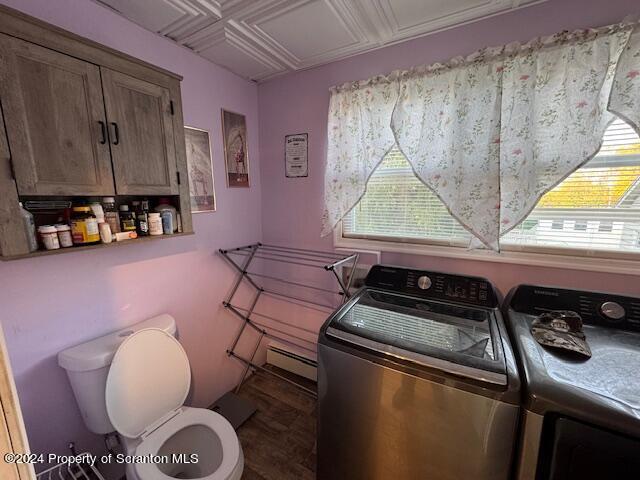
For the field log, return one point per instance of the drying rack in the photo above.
(71, 471)
(242, 258)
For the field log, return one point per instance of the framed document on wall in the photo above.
(296, 155)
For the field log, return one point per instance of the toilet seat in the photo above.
(148, 382)
(146, 387)
(232, 461)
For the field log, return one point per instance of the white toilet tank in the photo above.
(88, 364)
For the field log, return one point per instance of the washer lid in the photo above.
(149, 377)
(457, 339)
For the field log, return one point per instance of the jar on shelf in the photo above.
(127, 219)
(155, 224)
(111, 214)
(64, 235)
(49, 237)
(167, 222)
(84, 226)
(165, 205)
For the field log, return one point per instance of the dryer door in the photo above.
(582, 452)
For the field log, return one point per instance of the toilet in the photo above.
(134, 382)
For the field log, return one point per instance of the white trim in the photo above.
(630, 266)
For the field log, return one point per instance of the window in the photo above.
(596, 209)
(398, 206)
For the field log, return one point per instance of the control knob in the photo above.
(612, 311)
(424, 282)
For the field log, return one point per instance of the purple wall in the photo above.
(299, 102)
(48, 304)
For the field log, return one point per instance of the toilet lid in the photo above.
(149, 377)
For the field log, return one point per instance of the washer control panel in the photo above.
(595, 308)
(435, 285)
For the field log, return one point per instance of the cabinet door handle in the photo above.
(103, 128)
(116, 133)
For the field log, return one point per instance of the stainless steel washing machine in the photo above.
(581, 416)
(417, 380)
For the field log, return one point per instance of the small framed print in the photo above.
(296, 155)
(236, 160)
(200, 168)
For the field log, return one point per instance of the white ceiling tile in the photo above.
(260, 39)
(408, 13)
(403, 19)
(213, 7)
(236, 60)
(310, 29)
(228, 48)
(153, 15)
(187, 26)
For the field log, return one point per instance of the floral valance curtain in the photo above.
(489, 134)
(554, 114)
(447, 124)
(359, 137)
(625, 95)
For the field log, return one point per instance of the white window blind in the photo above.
(594, 210)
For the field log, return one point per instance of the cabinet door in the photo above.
(13, 235)
(55, 120)
(141, 132)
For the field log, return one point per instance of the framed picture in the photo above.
(296, 155)
(236, 160)
(200, 168)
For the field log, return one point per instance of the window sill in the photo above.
(550, 260)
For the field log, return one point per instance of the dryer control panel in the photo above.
(435, 285)
(595, 308)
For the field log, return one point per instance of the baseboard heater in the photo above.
(292, 360)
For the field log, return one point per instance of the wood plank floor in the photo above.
(279, 440)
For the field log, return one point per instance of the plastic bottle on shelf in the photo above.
(98, 212)
(111, 214)
(49, 235)
(165, 205)
(64, 235)
(142, 218)
(127, 219)
(155, 224)
(105, 232)
(30, 228)
(135, 207)
(167, 222)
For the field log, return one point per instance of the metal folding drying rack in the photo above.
(76, 469)
(299, 257)
(71, 471)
